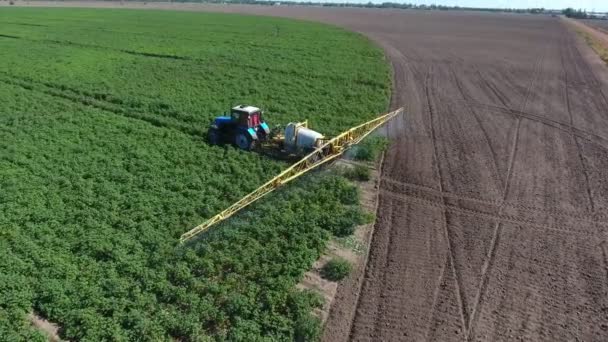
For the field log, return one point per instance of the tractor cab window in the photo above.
(241, 118)
(246, 119)
(255, 119)
(236, 115)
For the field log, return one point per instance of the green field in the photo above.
(103, 165)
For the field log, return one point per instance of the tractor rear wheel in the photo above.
(214, 136)
(244, 141)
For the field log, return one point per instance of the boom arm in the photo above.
(330, 150)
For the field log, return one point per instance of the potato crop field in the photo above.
(104, 164)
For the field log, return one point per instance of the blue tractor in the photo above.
(244, 128)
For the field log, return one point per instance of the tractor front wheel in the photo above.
(244, 141)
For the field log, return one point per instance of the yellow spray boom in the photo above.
(328, 151)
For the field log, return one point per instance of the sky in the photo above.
(589, 5)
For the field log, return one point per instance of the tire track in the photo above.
(391, 251)
(458, 283)
(568, 127)
(563, 126)
(9, 36)
(588, 217)
(436, 294)
(363, 312)
(376, 315)
(605, 257)
(479, 123)
(494, 217)
(498, 226)
(22, 24)
(569, 110)
(493, 89)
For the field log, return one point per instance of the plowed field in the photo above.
(493, 207)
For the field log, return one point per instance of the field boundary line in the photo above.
(368, 249)
(595, 35)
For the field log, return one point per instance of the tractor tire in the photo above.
(244, 141)
(214, 137)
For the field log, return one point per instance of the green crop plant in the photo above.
(336, 269)
(370, 148)
(359, 173)
(103, 165)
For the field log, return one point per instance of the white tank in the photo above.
(298, 137)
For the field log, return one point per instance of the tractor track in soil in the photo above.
(477, 213)
(490, 258)
(450, 260)
(494, 205)
(591, 137)
(571, 125)
(493, 202)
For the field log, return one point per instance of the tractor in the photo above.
(244, 128)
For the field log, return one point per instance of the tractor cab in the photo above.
(246, 116)
(244, 127)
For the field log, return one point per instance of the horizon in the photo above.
(587, 5)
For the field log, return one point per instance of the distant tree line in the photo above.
(577, 14)
(582, 14)
(568, 12)
(371, 5)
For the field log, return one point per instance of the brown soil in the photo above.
(51, 330)
(493, 207)
(493, 216)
